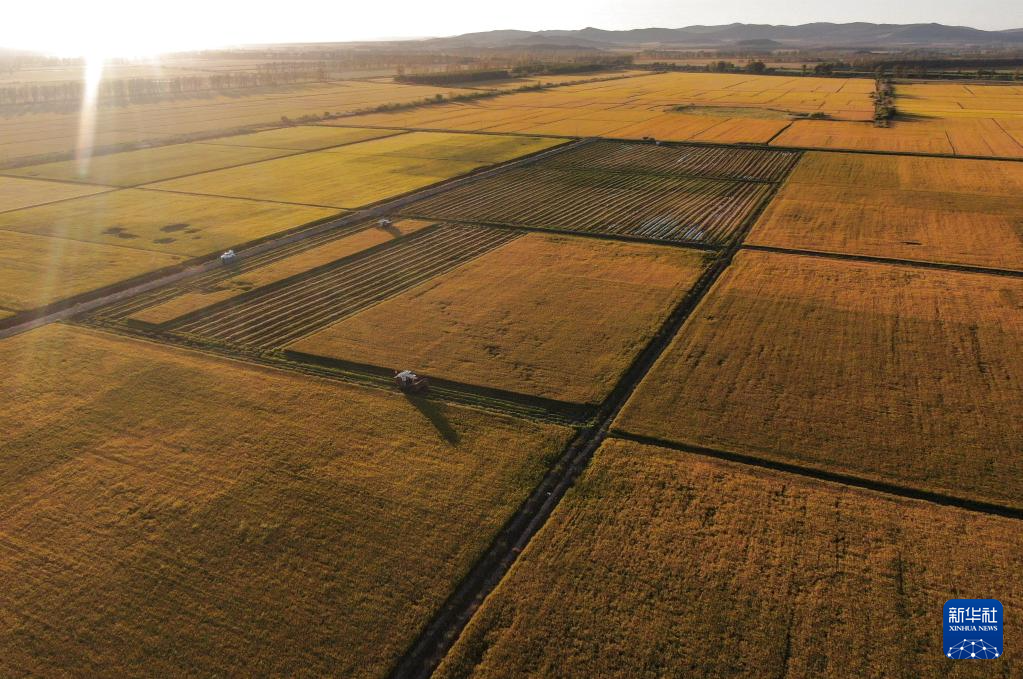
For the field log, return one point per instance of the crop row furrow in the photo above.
(280, 326)
(312, 302)
(310, 286)
(681, 209)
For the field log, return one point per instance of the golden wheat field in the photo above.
(730, 108)
(935, 209)
(302, 137)
(357, 175)
(39, 270)
(950, 136)
(133, 168)
(492, 322)
(25, 137)
(167, 513)
(160, 221)
(905, 375)
(659, 563)
(17, 193)
(278, 270)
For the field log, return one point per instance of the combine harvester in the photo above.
(411, 383)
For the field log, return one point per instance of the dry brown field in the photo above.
(664, 564)
(933, 209)
(168, 513)
(545, 315)
(903, 375)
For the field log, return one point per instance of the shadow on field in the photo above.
(434, 412)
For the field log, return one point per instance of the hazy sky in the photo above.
(137, 27)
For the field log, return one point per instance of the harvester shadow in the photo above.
(434, 412)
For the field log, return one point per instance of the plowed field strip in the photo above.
(657, 207)
(277, 315)
(713, 162)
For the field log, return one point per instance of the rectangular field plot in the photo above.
(17, 193)
(476, 148)
(713, 162)
(192, 516)
(549, 316)
(649, 206)
(218, 286)
(273, 316)
(39, 270)
(132, 168)
(156, 221)
(890, 373)
(935, 209)
(359, 174)
(303, 138)
(664, 564)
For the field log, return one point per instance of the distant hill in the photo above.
(759, 36)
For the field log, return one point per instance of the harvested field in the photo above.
(133, 168)
(891, 373)
(157, 221)
(489, 322)
(303, 138)
(702, 161)
(929, 209)
(37, 270)
(656, 207)
(171, 514)
(220, 288)
(360, 174)
(664, 564)
(279, 314)
(17, 193)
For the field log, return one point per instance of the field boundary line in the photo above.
(121, 290)
(213, 141)
(579, 413)
(830, 476)
(778, 133)
(280, 362)
(110, 189)
(620, 237)
(894, 261)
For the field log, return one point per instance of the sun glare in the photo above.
(87, 117)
